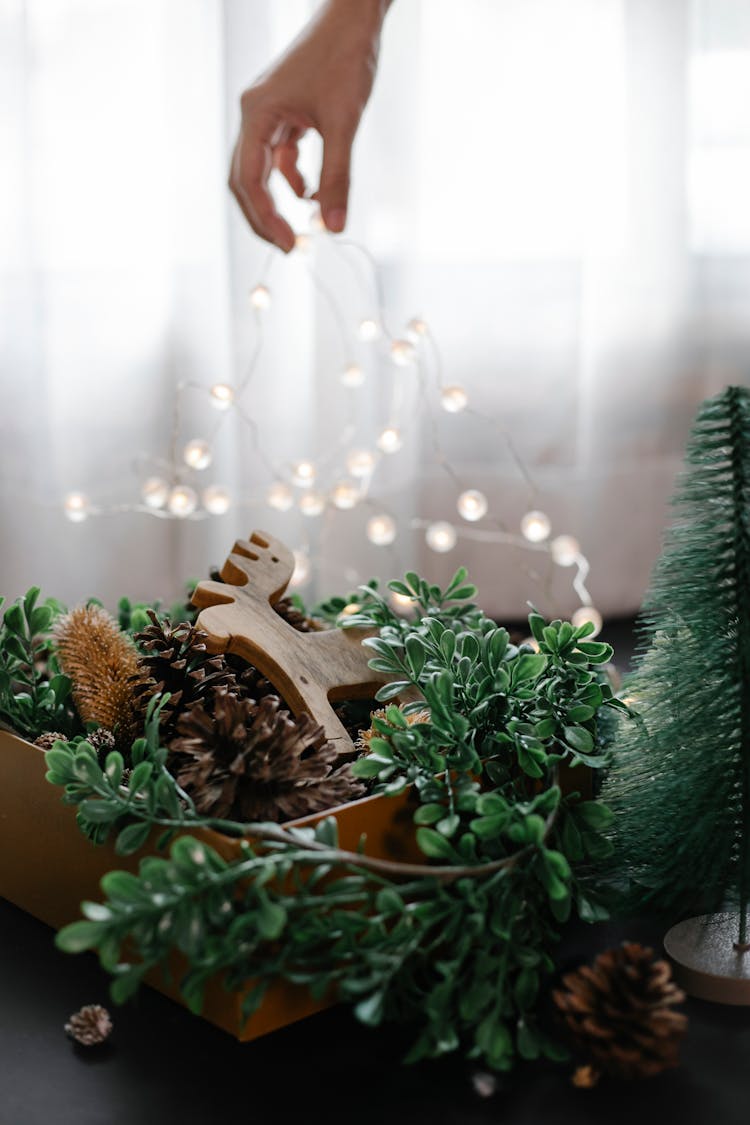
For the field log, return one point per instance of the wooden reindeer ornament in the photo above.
(308, 669)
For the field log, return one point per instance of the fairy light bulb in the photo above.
(369, 330)
(389, 440)
(303, 473)
(402, 353)
(586, 613)
(345, 495)
(301, 572)
(76, 507)
(260, 297)
(472, 505)
(216, 500)
(222, 396)
(316, 222)
(197, 454)
(182, 501)
(416, 328)
(565, 550)
(302, 243)
(280, 496)
(402, 603)
(454, 399)
(360, 462)
(381, 530)
(352, 376)
(535, 526)
(441, 537)
(312, 503)
(155, 492)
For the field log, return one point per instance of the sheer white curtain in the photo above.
(558, 188)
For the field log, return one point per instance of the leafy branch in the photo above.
(34, 694)
(458, 945)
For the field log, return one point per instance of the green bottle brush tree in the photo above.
(680, 780)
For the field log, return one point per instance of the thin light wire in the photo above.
(429, 367)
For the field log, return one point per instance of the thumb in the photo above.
(333, 193)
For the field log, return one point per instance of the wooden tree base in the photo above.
(707, 961)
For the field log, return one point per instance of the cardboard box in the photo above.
(48, 867)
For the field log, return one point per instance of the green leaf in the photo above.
(429, 814)
(40, 620)
(100, 811)
(528, 667)
(79, 936)
(140, 776)
(124, 986)
(132, 838)
(489, 827)
(579, 739)
(591, 911)
(526, 988)
(448, 825)
(113, 767)
(389, 691)
(594, 814)
(122, 887)
(433, 845)
(271, 920)
(366, 767)
(15, 621)
(415, 651)
(370, 1010)
(596, 651)
(388, 901)
(579, 713)
(527, 1041)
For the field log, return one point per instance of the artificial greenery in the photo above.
(34, 694)
(681, 777)
(458, 945)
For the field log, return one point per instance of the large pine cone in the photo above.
(175, 659)
(254, 761)
(619, 1012)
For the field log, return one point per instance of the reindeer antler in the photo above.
(307, 669)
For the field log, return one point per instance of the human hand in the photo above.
(322, 82)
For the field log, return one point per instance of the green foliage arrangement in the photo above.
(459, 945)
(34, 694)
(681, 777)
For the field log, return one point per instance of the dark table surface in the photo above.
(165, 1066)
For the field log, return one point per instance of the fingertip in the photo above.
(335, 220)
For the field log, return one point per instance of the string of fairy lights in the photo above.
(342, 478)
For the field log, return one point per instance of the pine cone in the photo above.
(104, 668)
(102, 741)
(177, 661)
(254, 761)
(619, 1012)
(90, 1026)
(286, 608)
(47, 740)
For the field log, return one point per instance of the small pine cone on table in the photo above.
(254, 761)
(620, 1014)
(90, 1026)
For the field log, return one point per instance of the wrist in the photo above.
(366, 16)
